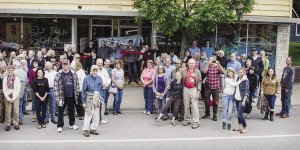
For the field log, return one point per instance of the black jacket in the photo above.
(258, 64)
(90, 61)
(252, 82)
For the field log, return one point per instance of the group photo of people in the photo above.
(78, 85)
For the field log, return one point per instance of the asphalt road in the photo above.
(136, 131)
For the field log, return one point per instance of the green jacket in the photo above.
(198, 79)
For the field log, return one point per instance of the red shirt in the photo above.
(190, 79)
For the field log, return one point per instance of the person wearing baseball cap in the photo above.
(91, 100)
(66, 85)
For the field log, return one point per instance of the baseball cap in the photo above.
(94, 67)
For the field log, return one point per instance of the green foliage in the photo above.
(191, 16)
(294, 51)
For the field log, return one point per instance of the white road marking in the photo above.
(157, 140)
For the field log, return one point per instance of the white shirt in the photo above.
(105, 77)
(230, 86)
(81, 75)
(237, 94)
(50, 76)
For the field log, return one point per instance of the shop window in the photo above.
(10, 33)
(47, 32)
(101, 22)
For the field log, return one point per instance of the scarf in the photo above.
(10, 82)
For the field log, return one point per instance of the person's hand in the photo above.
(286, 91)
(157, 94)
(243, 103)
(277, 94)
(11, 101)
(167, 99)
(84, 105)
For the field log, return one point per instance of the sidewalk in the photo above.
(133, 98)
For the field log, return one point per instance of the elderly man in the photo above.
(233, 63)
(50, 75)
(191, 93)
(169, 68)
(213, 69)
(92, 86)
(66, 87)
(22, 74)
(103, 73)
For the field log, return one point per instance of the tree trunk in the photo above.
(183, 43)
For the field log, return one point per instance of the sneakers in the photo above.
(215, 118)
(86, 133)
(115, 113)
(94, 132)
(144, 112)
(103, 121)
(186, 123)
(228, 126)
(74, 127)
(148, 113)
(17, 127)
(223, 125)
(106, 113)
(205, 116)
(195, 125)
(81, 118)
(53, 121)
(7, 128)
(59, 129)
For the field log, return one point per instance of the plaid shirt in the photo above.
(214, 76)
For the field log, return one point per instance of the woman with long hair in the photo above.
(160, 83)
(270, 88)
(227, 97)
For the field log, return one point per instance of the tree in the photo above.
(191, 17)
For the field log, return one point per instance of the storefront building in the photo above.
(56, 23)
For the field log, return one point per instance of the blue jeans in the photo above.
(21, 111)
(286, 101)
(106, 96)
(117, 100)
(148, 96)
(132, 70)
(271, 100)
(227, 103)
(240, 110)
(51, 103)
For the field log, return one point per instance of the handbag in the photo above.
(113, 89)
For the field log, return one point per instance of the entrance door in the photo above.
(101, 31)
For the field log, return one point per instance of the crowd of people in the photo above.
(83, 84)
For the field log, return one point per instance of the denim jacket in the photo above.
(244, 89)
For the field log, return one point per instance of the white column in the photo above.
(282, 47)
(74, 34)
